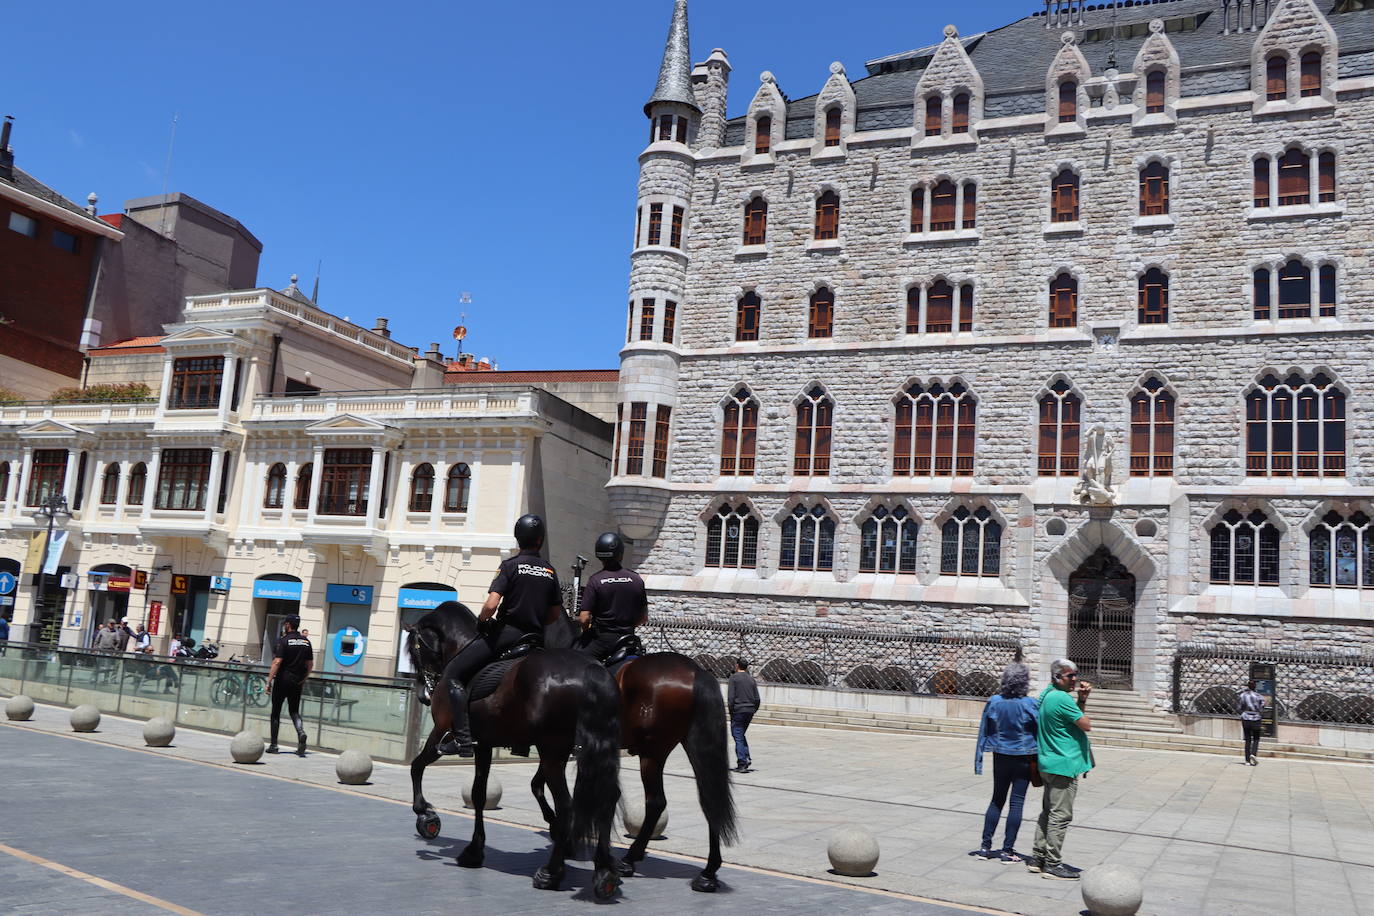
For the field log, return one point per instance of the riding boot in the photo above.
(301, 736)
(459, 738)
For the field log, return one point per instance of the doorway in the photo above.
(346, 643)
(189, 610)
(1102, 621)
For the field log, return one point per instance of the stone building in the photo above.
(1057, 333)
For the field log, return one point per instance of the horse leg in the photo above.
(426, 821)
(537, 787)
(706, 881)
(548, 877)
(651, 776)
(476, 850)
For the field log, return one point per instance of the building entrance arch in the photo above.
(1102, 596)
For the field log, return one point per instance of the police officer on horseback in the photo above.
(524, 598)
(614, 601)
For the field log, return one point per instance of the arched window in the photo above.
(1263, 308)
(1244, 550)
(456, 488)
(1295, 289)
(422, 488)
(109, 484)
(970, 214)
(808, 540)
(918, 209)
(4, 481)
(1060, 411)
(1068, 101)
(1152, 431)
(815, 415)
(940, 308)
(1152, 297)
(138, 482)
(828, 216)
(1064, 197)
(1276, 78)
(970, 544)
(934, 114)
(1262, 192)
(275, 492)
(934, 431)
(732, 538)
(942, 207)
(1295, 427)
(747, 313)
(301, 498)
(1154, 189)
(1326, 291)
(737, 438)
(1326, 177)
(1154, 92)
(1310, 78)
(959, 112)
(1064, 301)
(1295, 181)
(833, 125)
(821, 317)
(756, 221)
(887, 541)
(1340, 551)
(763, 135)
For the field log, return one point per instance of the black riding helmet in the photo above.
(529, 532)
(610, 547)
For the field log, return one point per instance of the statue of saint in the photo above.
(1095, 471)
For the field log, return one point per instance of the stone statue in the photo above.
(1095, 471)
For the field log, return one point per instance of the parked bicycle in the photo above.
(231, 688)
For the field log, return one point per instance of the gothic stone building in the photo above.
(1057, 333)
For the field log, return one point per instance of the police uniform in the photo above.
(297, 657)
(616, 601)
(528, 587)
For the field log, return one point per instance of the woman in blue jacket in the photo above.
(1008, 728)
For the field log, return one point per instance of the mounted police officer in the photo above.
(614, 601)
(524, 598)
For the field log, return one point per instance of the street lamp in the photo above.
(52, 510)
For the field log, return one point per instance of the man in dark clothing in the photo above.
(292, 659)
(743, 701)
(528, 598)
(614, 601)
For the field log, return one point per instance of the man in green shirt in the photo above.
(1064, 756)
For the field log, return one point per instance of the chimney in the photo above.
(6, 154)
(434, 354)
(91, 201)
(381, 328)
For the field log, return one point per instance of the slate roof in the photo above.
(30, 185)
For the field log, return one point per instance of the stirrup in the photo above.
(453, 744)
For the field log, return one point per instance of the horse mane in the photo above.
(449, 626)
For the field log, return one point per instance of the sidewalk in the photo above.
(1210, 835)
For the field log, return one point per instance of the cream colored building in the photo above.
(320, 467)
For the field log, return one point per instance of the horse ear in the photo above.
(408, 628)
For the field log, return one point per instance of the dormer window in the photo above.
(959, 119)
(933, 116)
(832, 126)
(1276, 78)
(1310, 79)
(763, 135)
(196, 383)
(1068, 101)
(1154, 92)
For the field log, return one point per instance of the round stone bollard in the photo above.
(634, 819)
(493, 794)
(354, 768)
(85, 718)
(247, 747)
(158, 732)
(19, 708)
(1112, 890)
(853, 852)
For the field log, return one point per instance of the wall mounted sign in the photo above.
(178, 584)
(425, 598)
(349, 645)
(221, 584)
(279, 589)
(348, 594)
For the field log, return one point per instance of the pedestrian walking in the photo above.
(107, 642)
(292, 659)
(742, 699)
(1064, 756)
(1008, 729)
(1251, 706)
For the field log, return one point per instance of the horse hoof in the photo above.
(545, 880)
(605, 885)
(471, 857)
(427, 825)
(704, 884)
(625, 868)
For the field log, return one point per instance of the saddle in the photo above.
(627, 648)
(486, 680)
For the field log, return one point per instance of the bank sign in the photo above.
(278, 589)
(348, 594)
(424, 598)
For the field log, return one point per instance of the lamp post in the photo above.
(52, 510)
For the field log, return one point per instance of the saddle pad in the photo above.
(488, 679)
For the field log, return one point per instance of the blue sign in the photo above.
(425, 598)
(348, 594)
(349, 644)
(220, 583)
(277, 588)
(8, 582)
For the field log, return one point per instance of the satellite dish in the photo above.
(460, 332)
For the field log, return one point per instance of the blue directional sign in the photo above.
(7, 583)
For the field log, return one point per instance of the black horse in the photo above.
(553, 700)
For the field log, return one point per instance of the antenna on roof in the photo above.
(167, 174)
(461, 331)
(315, 293)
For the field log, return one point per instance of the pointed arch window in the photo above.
(1295, 427)
(763, 135)
(832, 125)
(821, 315)
(1152, 431)
(1263, 307)
(827, 216)
(747, 313)
(1060, 416)
(815, 416)
(1068, 101)
(1295, 289)
(274, 495)
(138, 482)
(1276, 78)
(1310, 77)
(302, 494)
(934, 431)
(1326, 177)
(934, 115)
(1340, 551)
(970, 543)
(887, 541)
(1152, 297)
(1154, 92)
(808, 540)
(109, 484)
(1295, 178)
(942, 206)
(756, 221)
(1244, 549)
(732, 538)
(738, 435)
(456, 487)
(1064, 197)
(959, 114)
(422, 488)
(940, 308)
(1064, 301)
(1154, 189)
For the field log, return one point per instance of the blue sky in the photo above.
(421, 150)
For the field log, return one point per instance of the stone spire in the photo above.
(675, 74)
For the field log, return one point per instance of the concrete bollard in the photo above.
(85, 718)
(158, 732)
(354, 768)
(853, 852)
(634, 819)
(19, 708)
(1112, 890)
(247, 747)
(493, 794)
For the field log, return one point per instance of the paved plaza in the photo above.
(1211, 835)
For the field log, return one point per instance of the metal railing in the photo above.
(875, 659)
(1309, 687)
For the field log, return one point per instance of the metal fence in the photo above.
(1312, 688)
(839, 657)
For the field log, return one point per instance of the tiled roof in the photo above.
(534, 375)
(129, 347)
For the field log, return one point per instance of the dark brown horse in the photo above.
(553, 700)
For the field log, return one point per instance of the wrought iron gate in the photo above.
(1102, 620)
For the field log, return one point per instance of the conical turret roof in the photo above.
(675, 73)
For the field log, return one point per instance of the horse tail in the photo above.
(597, 789)
(708, 753)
